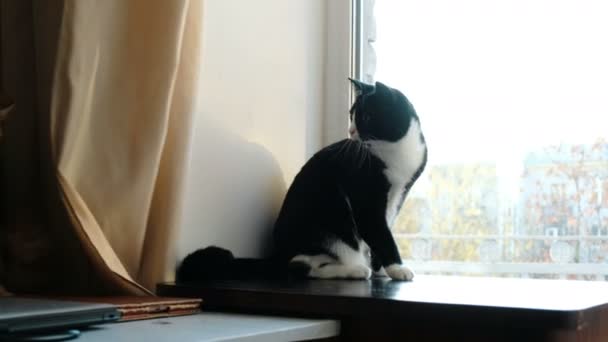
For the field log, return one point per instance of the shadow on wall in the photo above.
(233, 194)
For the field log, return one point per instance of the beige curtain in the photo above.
(115, 83)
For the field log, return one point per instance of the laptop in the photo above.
(26, 315)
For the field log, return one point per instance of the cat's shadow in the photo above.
(233, 192)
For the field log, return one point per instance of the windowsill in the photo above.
(503, 307)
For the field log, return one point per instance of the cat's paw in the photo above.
(359, 272)
(399, 272)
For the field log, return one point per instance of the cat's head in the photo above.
(380, 113)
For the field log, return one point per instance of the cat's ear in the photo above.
(362, 88)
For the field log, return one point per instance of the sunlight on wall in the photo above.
(260, 115)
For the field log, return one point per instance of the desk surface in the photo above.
(213, 327)
(490, 301)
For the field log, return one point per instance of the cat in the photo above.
(336, 218)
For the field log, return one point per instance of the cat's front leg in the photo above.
(382, 244)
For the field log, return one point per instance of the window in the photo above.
(513, 100)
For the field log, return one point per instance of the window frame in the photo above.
(341, 62)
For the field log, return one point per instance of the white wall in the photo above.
(260, 118)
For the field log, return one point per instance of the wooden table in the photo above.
(429, 308)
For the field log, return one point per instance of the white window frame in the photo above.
(338, 67)
(351, 31)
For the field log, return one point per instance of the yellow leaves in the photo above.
(472, 212)
(456, 204)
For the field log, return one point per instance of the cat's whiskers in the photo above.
(362, 154)
(340, 150)
(366, 149)
(358, 155)
(347, 150)
(365, 154)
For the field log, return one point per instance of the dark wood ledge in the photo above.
(430, 307)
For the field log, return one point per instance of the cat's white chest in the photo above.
(402, 158)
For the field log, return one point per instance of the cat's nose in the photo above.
(352, 131)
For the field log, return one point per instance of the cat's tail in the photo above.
(215, 263)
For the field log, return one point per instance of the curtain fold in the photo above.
(114, 99)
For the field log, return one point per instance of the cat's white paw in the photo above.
(341, 271)
(399, 272)
(359, 272)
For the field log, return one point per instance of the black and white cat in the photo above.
(336, 218)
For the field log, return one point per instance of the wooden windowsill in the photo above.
(483, 307)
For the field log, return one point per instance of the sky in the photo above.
(492, 80)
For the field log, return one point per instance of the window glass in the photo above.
(513, 101)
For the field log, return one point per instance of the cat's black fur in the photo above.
(336, 206)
